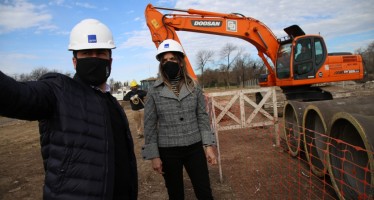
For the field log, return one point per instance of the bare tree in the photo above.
(117, 85)
(210, 78)
(203, 57)
(111, 84)
(259, 68)
(242, 68)
(368, 57)
(23, 77)
(70, 74)
(227, 53)
(37, 73)
(239, 70)
(34, 75)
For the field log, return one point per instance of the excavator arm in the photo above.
(164, 27)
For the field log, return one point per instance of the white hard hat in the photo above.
(91, 34)
(167, 46)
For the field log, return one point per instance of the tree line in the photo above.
(230, 66)
(368, 59)
(36, 73)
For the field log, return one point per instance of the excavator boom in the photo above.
(233, 25)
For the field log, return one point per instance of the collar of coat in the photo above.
(168, 93)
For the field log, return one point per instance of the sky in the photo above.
(35, 33)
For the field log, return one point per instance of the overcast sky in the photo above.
(35, 34)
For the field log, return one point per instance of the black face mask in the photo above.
(93, 71)
(171, 69)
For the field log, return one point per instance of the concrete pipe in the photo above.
(315, 127)
(316, 122)
(350, 155)
(292, 124)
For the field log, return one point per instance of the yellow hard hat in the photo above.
(133, 83)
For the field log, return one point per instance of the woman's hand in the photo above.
(157, 165)
(211, 155)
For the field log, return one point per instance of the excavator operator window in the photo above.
(283, 61)
(303, 50)
(320, 53)
(303, 63)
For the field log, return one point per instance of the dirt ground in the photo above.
(249, 165)
(252, 167)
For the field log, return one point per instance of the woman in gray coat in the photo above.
(177, 126)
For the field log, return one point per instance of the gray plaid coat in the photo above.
(171, 121)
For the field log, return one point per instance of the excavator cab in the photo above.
(297, 64)
(309, 56)
(300, 59)
(303, 61)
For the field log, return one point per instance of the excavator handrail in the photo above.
(200, 12)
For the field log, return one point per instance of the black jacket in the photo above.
(139, 104)
(76, 136)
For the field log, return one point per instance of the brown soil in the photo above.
(249, 165)
(252, 167)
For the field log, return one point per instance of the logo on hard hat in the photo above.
(166, 45)
(92, 39)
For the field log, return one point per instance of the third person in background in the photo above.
(177, 126)
(136, 98)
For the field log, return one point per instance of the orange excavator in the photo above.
(294, 63)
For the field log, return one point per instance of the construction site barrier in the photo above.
(337, 136)
(333, 139)
(350, 155)
(238, 109)
(317, 120)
